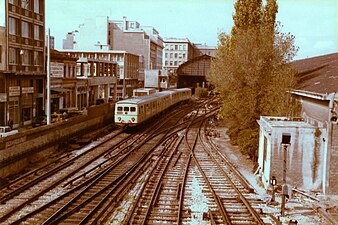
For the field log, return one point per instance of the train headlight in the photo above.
(133, 119)
(119, 118)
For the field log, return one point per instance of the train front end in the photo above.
(126, 114)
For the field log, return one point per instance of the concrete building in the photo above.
(312, 156)
(143, 41)
(91, 35)
(127, 66)
(123, 41)
(176, 52)
(22, 61)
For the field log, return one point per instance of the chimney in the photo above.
(125, 23)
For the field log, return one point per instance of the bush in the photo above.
(201, 92)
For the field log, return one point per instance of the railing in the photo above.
(25, 68)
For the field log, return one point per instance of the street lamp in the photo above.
(286, 141)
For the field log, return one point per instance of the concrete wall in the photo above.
(333, 164)
(18, 150)
(304, 156)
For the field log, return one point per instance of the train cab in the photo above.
(126, 113)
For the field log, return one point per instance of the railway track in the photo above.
(167, 173)
(180, 177)
(52, 193)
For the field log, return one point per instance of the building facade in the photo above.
(176, 52)
(66, 89)
(127, 66)
(22, 65)
(143, 41)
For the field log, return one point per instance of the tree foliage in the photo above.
(251, 71)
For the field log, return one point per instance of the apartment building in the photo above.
(92, 40)
(22, 61)
(143, 41)
(176, 52)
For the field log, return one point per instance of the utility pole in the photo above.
(48, 79)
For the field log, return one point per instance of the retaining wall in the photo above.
(19, 150)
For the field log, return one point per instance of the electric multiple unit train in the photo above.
(134, 111)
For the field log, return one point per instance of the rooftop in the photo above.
(273, 121)
(318, 74)
(176, 40)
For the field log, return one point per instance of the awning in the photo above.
(60, 89)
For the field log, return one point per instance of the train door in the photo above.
(147, 111)
(141, 114)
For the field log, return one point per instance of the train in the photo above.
(134, 111)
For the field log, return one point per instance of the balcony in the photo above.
(25, 68)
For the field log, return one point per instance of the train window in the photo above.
(132, 109)
(126, 109)
(119, 108)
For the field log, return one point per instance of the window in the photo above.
(36, 6)
(36, 32)
(119, 108)
(26, 58)
(126, 109)
(25, 29)
(13, 55)
(176, 47)
(132, 109)
(13, 27)
(171, 55)
(25, 4)
(175, 55)
(37, 58)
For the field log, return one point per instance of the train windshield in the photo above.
(119, 108)
(132, 109)
(126, 109)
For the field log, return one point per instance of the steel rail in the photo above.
(57, 216)
(240, 195)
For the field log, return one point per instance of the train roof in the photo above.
(147, 98)
(143, 99)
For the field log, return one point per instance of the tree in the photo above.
(251, 71)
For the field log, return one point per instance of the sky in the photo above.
(314, 23)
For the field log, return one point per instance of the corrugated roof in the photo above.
(318, 74)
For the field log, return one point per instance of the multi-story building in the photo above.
(144, 41)
(92, 40)
(22, 61)
(66, 89)
(128, 66)
(176, 52)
